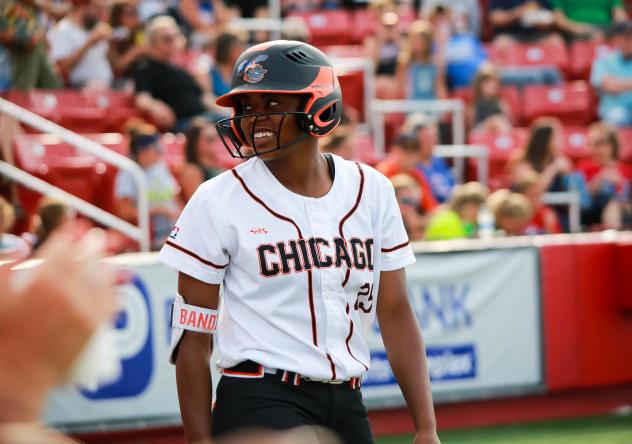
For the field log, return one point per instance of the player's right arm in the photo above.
(193, 373)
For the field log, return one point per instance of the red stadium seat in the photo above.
(329, 27)
(501, 149)
(572, 103)
(582, 54)
(364, 24)
(78, 178)
(352, 84)
(78, 111)
(576, 147)
(625, 138)
(523, 54)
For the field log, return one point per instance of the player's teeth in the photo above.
(263, 134)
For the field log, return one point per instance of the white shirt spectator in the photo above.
(65, 39)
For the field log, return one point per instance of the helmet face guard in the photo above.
(281, 67)
(244, 146)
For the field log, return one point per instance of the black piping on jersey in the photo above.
(348, 215)
(348, 273)
(396, 247)
(310, 290)
(366, 368)
(195, 256)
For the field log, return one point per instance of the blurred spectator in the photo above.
(435, 169)
(606, 176)
(164, 205)
(612, 77)
(383, 48)
(339, 143)
(463, 11)
(51, 215)
(128, 38)
(149, 9)
(11, 246)
(545, 219)
(418, 68)
(79, 45)
(544, 155)
(458, 218)
(226, 49)
(489, 112)
(22, 34)
(202, 18)
(403, 159)
(201, 156)
(408, 194)
(461, 49)
(588, 18)
(524, 21)
(513, 214)
(168, 94)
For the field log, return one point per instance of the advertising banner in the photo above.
(480, 317)
(479, 313)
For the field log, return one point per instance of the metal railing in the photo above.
(140, 233)
(478, 152)
(570, 199)
(378, 108)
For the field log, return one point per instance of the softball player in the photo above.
(309, 249)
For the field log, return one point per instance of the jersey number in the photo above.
(365, 296)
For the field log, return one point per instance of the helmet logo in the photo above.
(251, 71)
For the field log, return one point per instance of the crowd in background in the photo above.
(135, 45)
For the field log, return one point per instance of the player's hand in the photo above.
(426, 438)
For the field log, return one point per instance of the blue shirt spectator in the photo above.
(439, 176)
(464, 55)
(611, 76)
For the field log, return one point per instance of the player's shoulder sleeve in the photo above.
(199, 244)
(395, 250)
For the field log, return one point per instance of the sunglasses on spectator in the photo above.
(409, 202)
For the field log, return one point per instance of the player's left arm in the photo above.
(406, 352)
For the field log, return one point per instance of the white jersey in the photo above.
(300, 274)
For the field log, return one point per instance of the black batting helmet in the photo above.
(287, 67)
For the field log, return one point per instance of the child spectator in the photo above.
(488, 112)
(201, 156)
(51, 215)
(22, 35)
(467, 12)
(513, 214)
(164, 205)
(459, 218)
(12, 247)
(128, 39)
(612, 78)
(79, 46)
(418, 68)
(403, 159)
(605, 175)
(435, 169)
(544, 220)
(590, 19)
(462, 50)
(408, 194)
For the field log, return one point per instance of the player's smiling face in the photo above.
(265, 130)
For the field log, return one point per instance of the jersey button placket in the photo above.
(324, 225)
